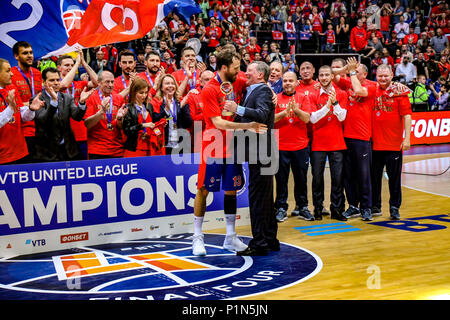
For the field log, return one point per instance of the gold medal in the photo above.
(12, 120)
(110, 127)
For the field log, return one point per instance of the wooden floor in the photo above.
(410, 265)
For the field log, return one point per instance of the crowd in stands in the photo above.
(409, 35)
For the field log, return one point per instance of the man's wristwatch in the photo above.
(335, 103)
(352, 73)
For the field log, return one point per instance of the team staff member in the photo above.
(68, 68)
(195, 104)
(55, 140)
(214, 169)
(137, 123)
(391, 116)
(103, 120)
(357, 134)
(291, 116)
(328, 141)
(28, 81)
(188, 77)
(13, 147)
(127, 63)
(153, 71)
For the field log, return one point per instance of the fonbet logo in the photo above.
(154, 269)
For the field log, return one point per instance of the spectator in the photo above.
(252, 48)
(100, 63)
(444, 67)
(420, 95)
(55, 140)
(276, 19)
(397, 12)
(406, 71)
(212, 62)
(342, 32)
(275, 54)
(140, 63)
(435, 89)
(421, 65)
(423, 42)
(402, 28)
(213, 33)
(245, 61)
(358, 37)
(442, 101)
(275, 77)
(386, 58)
(411, 35)
(439, 41)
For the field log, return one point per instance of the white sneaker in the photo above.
(233, 243)
(198, 246)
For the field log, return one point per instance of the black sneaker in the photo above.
(376, 212)
(395, 215)
(281, 215)
(351, 212)
(305, 214)
(317, 215)
(366, 215)
(295, 212)
(337, 216)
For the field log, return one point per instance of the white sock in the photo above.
(231, 222)
(198, 222)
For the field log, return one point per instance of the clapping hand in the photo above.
(85, 94)
(37, 103)
(11, 101)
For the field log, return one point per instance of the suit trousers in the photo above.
(393, 161)
(337, 198)
(298, 160)
(357, 180)
(263, 222)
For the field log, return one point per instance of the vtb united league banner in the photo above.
(54, 206)
(55, 27)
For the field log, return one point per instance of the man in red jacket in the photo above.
(390, 118)
(358, 37)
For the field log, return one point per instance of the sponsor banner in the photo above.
(101, 201)
(430, 127)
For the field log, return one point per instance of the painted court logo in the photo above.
(154, 269)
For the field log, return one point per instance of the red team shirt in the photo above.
(78, 127)
(26, 93)
(100, 139)
(196, 109)
(119, 84)
(328, 133)
(150, 80)
(12, 142)
(388, 112)
(194, 80)
(292, 132)
(358, 122)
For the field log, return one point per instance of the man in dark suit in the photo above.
(259, 107)
(54, 137)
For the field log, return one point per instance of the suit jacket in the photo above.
(131, 125)
(184, 119)
(259, 108)
(53, 130)
(108, 67)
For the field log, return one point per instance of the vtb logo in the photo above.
(36, 243)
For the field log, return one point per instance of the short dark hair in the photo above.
(225, 58)
(20, 44)
(63, 57)
(125, 53)
(152, 53)
(48, 70)
(186, 49)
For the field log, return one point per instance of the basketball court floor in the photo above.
(408, 259)
(319, 260)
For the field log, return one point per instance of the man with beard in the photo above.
(214, 167)
(153, 71)
(127, 63)
(28, 81)
(328, 142)
(103, 120)
(390, 118)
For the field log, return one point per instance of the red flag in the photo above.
(109, 21)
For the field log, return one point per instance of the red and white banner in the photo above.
(430, 127)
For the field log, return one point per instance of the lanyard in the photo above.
(124, 82)
(149, 79)
(109, 113)
(142, 112)
(4, 100)
(31, 86)
(73, 91)
(174, 113)
(193, 81)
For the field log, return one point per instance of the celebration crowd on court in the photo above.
(130, 99)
